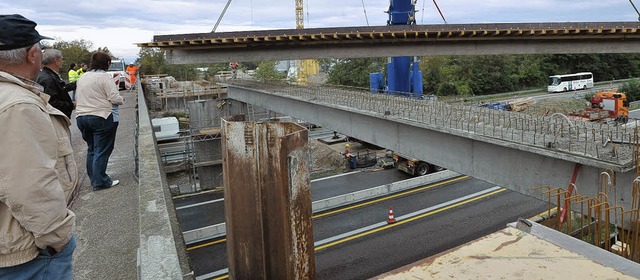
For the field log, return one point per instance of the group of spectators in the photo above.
(38, 174)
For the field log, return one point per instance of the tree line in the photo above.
(76, 51)
(491, 74)
(442, 75)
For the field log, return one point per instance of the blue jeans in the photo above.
(44, 266)
(100, 135)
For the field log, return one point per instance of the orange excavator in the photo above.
(615, 103)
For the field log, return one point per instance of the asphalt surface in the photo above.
(190, 209)
(372, 253)
(396, 247)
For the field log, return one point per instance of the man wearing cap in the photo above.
(36, 227)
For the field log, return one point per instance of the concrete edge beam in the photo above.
(341, 200)
(157, 254)
(205, 233)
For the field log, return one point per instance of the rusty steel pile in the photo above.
(610, 143)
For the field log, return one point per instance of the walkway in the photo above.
(107, 222)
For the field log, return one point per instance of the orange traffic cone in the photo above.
(391, 219)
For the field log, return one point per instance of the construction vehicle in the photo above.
(605, 105)
(120, 76)
(414, 166)
(614, 102)
(403, 73)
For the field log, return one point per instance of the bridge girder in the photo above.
(413, 40)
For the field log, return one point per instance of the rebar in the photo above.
(565, 136)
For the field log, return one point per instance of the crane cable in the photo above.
(445, 21)
(221, 15)
(422, 19)
(634, 7)
(365, 13)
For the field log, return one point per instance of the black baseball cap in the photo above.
(18, 32)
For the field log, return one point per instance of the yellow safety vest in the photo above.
(73, 76)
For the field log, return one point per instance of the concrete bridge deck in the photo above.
(401, 40)
(510, 149)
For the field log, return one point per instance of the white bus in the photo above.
(558, 83)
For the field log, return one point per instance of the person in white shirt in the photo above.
(96, 95)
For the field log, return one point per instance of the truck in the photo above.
(604, 106)
(120, 77)
(414, 166)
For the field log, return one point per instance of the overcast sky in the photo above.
(119, 24)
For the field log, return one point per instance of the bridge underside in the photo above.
(509, 166)
(414, 40)
(179, 56)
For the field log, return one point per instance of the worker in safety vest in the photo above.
(73, 72)
(234, 69)
(132, 70)
(83, 69)
(347, 151)
(349, 158)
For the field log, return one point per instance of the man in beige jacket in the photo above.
(37, 170)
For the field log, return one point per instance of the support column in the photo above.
(267, 200)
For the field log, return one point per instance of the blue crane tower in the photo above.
(403, 74)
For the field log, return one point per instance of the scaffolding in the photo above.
(204, 140)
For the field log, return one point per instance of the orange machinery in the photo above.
(615, 103)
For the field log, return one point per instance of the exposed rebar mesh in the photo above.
(605, 142)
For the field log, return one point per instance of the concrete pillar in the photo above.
(267, 200)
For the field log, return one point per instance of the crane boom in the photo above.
(299, 14)
(441, 15)
(308, 66)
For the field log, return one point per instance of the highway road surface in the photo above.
(355, 242)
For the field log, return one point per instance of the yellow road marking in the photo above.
(544, 214)
(396, 223)
(207, 244)
(407, 220)
(355, 206)
(391, 196)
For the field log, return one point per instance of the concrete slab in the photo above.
(333, 139)
(512, 253)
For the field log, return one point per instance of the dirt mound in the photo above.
(324, 160)
(548, 106)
